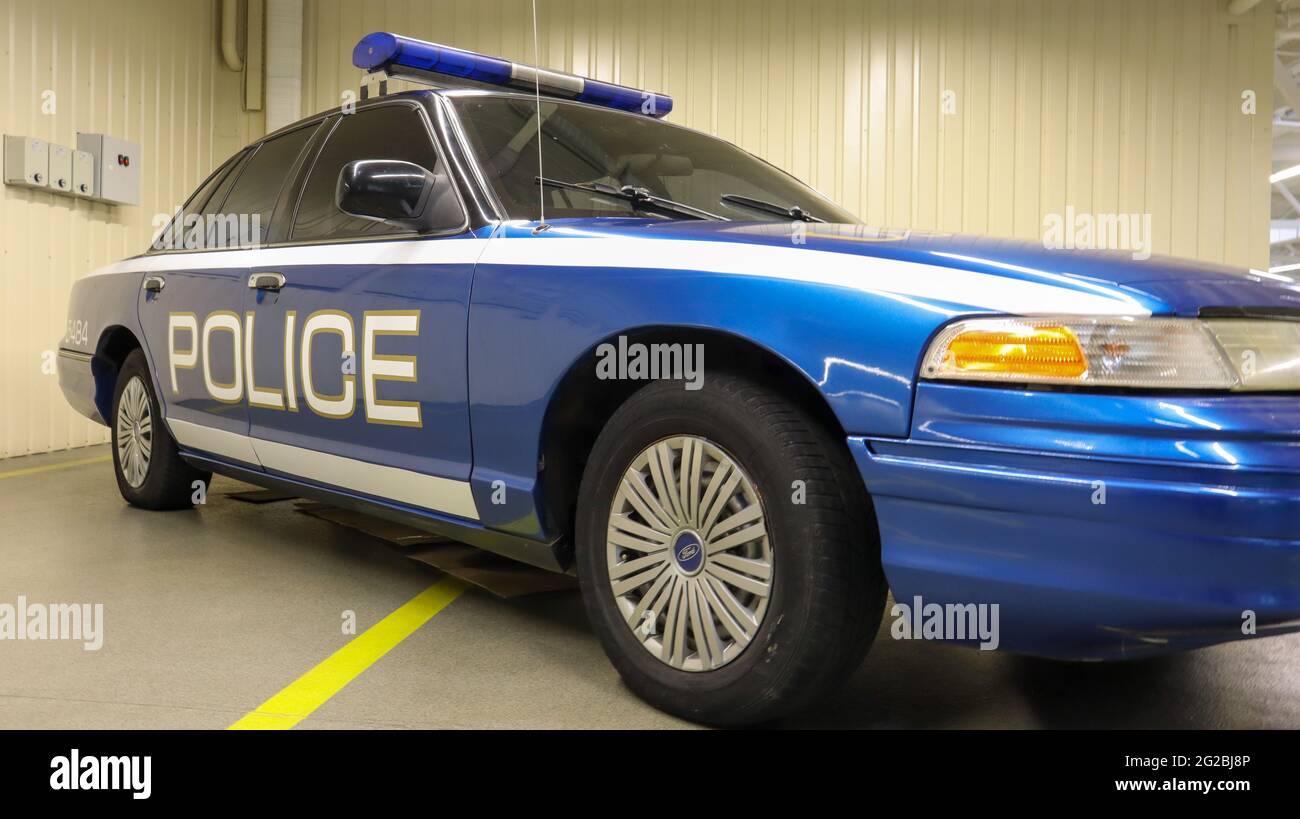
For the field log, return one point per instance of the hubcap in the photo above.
(690, 562)
(134, 432)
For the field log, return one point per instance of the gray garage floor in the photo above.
(208, 614)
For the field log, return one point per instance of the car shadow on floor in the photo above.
(913, 684)
(908, 684)
(916, 684)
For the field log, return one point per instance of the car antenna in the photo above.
(537, 92)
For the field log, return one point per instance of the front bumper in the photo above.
(1102, 526)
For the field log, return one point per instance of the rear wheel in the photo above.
(726, 552)
(150, 472)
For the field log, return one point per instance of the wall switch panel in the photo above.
(27, 162)
(116, 168)
(61, 168)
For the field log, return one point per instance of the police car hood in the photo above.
(883, 258)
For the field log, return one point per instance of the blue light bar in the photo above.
(406, 58)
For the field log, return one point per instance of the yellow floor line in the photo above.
(34, 470)
(310, 691)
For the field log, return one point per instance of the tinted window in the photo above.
(213, 203)
(385, 132)
(173, 236)
(200, 197)
(217, 231)
(585, 144)
(252, 199)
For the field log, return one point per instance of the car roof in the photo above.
(419, 96)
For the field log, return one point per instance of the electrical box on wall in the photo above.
(61, 168)
(115, 168)
(104, 168)
(83, 173)
(27, 162)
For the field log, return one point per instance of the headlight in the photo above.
(1142, 353)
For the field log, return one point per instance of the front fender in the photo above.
(530, 325)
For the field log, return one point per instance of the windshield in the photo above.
(594, 146)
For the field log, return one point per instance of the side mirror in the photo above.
(398, 193)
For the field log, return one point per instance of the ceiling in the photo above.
(1285, 208)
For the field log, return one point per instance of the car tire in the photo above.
(150, 472)
(825, 589)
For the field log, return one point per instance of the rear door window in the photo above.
(173, 237)
(213, 202)
(252, 199)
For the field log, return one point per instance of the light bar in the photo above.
(409, 59)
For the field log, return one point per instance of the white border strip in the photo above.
(431, 492)
(415, 251)
(834, 268)
(210, 439)
(401, 485)
(837, 269)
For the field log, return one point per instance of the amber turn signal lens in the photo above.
(1036, 351)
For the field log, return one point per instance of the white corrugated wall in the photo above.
(146, 71)
(1110, 106)
(1128, 106)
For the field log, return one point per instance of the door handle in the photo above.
(266, 281)
(154, 284)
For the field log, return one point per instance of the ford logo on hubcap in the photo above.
(688, 553)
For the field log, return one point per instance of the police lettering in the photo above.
(190, 346)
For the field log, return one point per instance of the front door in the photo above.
(358, 377)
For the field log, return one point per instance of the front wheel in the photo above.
(150, 472)
(726, 552)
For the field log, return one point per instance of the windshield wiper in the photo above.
(640, 198)
(793, 212)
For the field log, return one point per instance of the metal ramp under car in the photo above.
(501, 576)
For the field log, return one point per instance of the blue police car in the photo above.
(520, 309)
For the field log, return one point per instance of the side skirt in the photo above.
(543, 555)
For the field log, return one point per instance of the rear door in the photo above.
(366, 324)
(190, 307)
